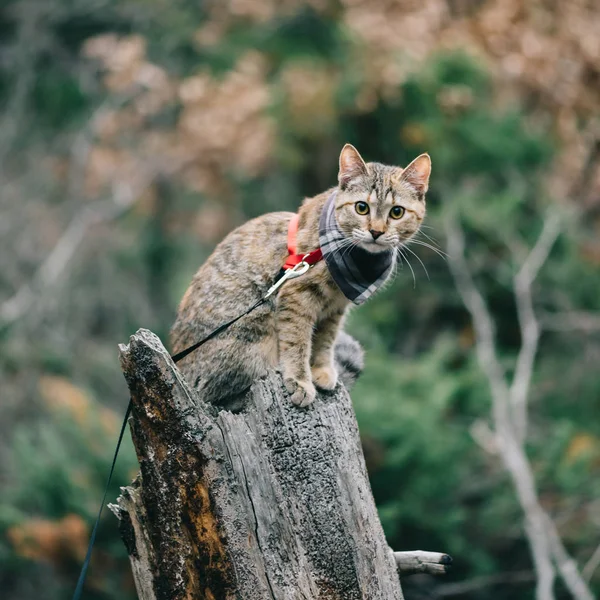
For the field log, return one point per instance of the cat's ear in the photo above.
(417, 174)
(352, 165)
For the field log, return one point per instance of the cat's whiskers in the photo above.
(432, 240)
(350, 247)
(409, 265)
(361, 236)
(439, 252)
(345, 242)
(398, 263)
(342, 248)
(345, 251)
(417, 257)
(345, 246)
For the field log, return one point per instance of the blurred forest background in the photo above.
(134, 134)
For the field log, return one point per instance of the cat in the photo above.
(364, 221)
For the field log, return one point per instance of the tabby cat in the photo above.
(360, 225)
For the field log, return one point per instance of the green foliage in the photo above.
(424, 458)
(58, 99)
(61, 464)
(422, 389)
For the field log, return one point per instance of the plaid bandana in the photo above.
(357, 272)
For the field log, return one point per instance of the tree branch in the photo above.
(418, 561)
(124, 195)
(530, 331)
(544, 541)
(482, 321)
(571, 321)
(30, 41)
(567, 567)
(591, 565)
(60, 256)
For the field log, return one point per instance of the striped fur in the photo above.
(296, 330)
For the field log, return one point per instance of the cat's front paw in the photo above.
(325, 378)
(302, 393)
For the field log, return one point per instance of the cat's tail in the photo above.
(349, 359)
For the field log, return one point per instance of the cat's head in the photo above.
(377, 206)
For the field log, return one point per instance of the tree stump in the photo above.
(269, 503)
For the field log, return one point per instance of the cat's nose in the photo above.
(375, 233)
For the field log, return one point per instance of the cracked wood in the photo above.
(269, 503)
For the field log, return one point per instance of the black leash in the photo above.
(217, 331)
(88, 555)
(280, 279)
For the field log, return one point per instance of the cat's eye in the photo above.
(362, 208)
(396, 212)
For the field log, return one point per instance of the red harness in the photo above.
(293, 259)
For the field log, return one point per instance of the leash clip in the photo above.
(292, 273)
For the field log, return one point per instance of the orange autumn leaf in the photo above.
(59, 394)
(51, 541)
(582, 444)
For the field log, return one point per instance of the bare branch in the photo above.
(536, 521)
(123, 197)
(31, 40)
(530, 331)
(541, 532)
(484, 437)
(56, 262)
(124, 194)
(591, 565)
(567, 567)
(571, 321)
(482, 321)
(418, 561)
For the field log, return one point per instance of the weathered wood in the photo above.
(269, 503)
(419, 561)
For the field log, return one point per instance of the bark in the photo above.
(269, 503)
